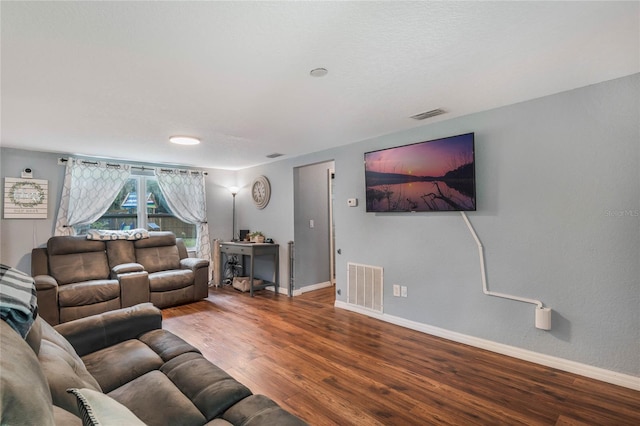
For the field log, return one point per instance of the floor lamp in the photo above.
(234, 191)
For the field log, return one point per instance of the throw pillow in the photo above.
(130, 235)
(97, 408)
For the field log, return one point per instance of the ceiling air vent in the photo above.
(428, 114)
(274, 155)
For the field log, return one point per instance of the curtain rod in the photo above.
(143, 168)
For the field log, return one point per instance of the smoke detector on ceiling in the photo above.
(428, 114)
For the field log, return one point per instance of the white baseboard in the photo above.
(597, 373)
(313, 287)
(305, 289)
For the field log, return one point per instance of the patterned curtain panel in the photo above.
(88, 191)
(186, 198)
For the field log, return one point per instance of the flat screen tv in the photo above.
(429, 176)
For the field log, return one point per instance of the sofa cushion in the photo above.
(119, 252)
(71, 313)
(88, 292)
(63, 369)
(157, 239)
(34, 338)
(211, 389)
(166, 344)
(62, 245)
(157, 401)
(156, 259)
(74, 258)
(80, 266)
(25, 393)
(63, 417)
(90, 334)
(170, 280)
(259, 410)
(118, 364)
(98, 409)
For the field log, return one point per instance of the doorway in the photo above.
(314, 263)
(332, 228)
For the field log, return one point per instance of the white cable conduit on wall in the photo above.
(543, 315)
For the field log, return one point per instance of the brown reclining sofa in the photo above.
(77, 277)
(122, 365)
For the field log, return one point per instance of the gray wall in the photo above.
(558, 214)
(19, 236)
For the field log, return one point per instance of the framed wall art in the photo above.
(25, 198)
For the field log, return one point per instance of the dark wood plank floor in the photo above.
(335, 367)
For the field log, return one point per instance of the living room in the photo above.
(558, 196)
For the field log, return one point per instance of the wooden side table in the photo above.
(252, 250)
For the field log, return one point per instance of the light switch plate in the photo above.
(352, 202)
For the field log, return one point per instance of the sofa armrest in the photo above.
(200, 268)
(193, 263)
(134, 288)
(47, 294)
(45, 282)
(96, 332)
(126, 268)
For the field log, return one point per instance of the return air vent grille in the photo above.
(428, 114)
(364, 286)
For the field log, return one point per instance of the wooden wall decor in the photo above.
(25, 198)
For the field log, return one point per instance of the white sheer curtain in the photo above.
(186, 198)
(89, 189)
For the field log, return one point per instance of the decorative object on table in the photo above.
(244, 235)
(25, 198)
(261, 191)
(257, 237)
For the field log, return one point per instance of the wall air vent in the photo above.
(428, 114)
(275, 155)
(365, 286)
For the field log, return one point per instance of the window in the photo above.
(130, 211)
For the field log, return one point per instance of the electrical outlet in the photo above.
(396, 290)
(403, 291)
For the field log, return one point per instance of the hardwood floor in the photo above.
(334, 367)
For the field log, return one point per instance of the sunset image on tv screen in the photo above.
(437, 175)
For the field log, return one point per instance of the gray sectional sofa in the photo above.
(120, 365)
(77, 277)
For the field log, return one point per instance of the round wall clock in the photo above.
(261, 191)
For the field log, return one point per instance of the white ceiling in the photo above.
(116, 79)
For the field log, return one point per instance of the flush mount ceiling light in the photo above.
(184, 140)
(318, 72)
